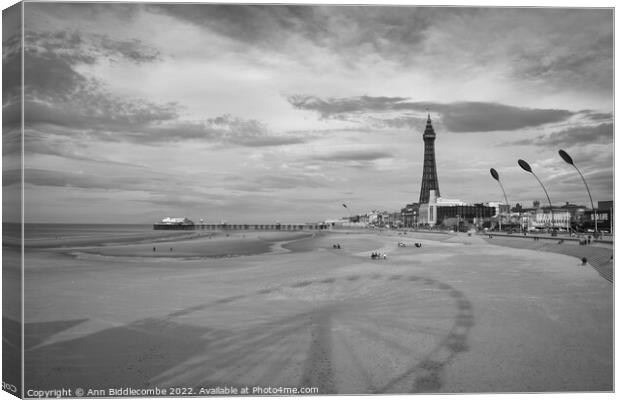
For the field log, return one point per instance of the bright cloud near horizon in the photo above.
(260, 113)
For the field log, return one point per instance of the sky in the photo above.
(262, 113)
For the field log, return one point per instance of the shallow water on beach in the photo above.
(50, 231)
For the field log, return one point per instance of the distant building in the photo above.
(543, 219)
(500, 207)
(604, 220)
(437, 210)
(409, 214)
(174, 223)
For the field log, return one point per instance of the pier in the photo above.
(244, 227)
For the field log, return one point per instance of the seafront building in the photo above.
(439, 210)
(175, 223)
(569, 217)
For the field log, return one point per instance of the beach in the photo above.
(287, 309)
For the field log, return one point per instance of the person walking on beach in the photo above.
(154, 249)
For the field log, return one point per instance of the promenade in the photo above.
(599, 254)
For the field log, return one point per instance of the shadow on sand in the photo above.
(162, 352)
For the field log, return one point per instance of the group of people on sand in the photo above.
(336, 246)
(585, 240)
(155, 249)
(378, 256)
(401, 244)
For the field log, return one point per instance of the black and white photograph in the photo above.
(250, 199)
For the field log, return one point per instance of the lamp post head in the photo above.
(494, 174)
(566, 157)
(525, 166)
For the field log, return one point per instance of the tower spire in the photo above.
(429, 173)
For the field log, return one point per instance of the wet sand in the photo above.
(456, 315)
(105, 239)
(200, 245)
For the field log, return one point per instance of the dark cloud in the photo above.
(86, 11)
(354, 155)
(11, 67)
(51, 58)
(456, 117)
(484, 117)
(57, 94)
(583, 64)
(99, 115)
(133, 50)
(331, 107)
(350, 31)
(597, 116)
(580, 135)
(255, 24)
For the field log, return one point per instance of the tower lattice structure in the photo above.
(429, 173)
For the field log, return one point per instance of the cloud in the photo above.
(144, 123)
(251, 133)
(88, 48)
(56, 93)
(540, 49)
(69, 103)
(353, 155)
(133, 50)
(586, 60)
(268, 183)
(287, 182)
(11, 177)
(456, 117)
(350, 32)
(485, 117)
(98, 112)
(597, 116)
(51, 58)
(45, 177)
(11, 68)
(330, 107)
(579, 135)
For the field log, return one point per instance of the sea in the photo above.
(34, 231)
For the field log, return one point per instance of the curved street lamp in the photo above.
(526, 167)
(495, 176)
(569, 160)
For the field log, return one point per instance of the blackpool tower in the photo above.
(429, 173)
